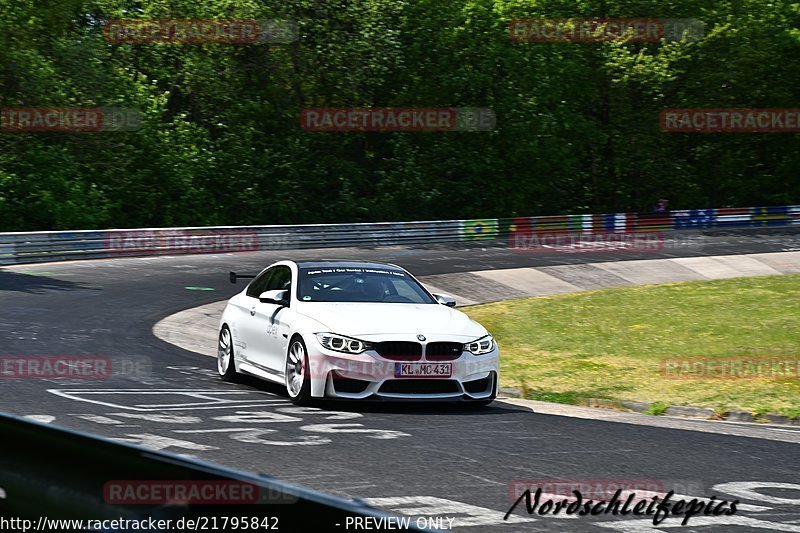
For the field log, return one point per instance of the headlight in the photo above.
(480, 346)
(340, 343)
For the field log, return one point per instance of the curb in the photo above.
(680, 411)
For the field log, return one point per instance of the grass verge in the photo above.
(610, 343)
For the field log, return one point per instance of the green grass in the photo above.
(657, 408)
(609, 343)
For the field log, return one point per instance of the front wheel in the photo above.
(225, 365)
(298, 378)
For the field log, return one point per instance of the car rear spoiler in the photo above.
(234, 276)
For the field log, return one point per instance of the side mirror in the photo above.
(277, 297)
(445, 299)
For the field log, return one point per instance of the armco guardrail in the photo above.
(93, 244)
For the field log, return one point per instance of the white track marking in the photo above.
(428, 506)
(257, 417)
(159, 442)
(330, 415)
(217, 399)
(253, 436)
(99, 419)
(45, 419)
(381, 434)
(217, 430)
(646, 526)
(746, 490)
(167, 419)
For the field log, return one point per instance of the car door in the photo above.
(246, 333)
(270, 321)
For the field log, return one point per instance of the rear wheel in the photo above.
(225, 365)
(298, 379)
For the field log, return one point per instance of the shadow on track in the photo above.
(28, 283)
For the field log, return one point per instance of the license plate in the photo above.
(423, 370)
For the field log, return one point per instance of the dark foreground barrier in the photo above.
(54, 479)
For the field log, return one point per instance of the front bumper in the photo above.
(370, 376)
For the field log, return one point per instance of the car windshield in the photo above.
(356, 284)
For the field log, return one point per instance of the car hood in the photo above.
(366, 319)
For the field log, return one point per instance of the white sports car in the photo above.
(351, 330)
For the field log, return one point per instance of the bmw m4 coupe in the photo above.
(352, 330)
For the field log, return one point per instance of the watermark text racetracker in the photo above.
(366, 366)
(87, 367)
(398, 119)
(731, 120)
(200, 31)
(181, 241)
(602, 30)
(69, 119)
(566, 241)
(191, 492)
(731, 368)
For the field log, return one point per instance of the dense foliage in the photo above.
(577, 123)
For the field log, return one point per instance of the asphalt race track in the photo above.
(420, 460)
